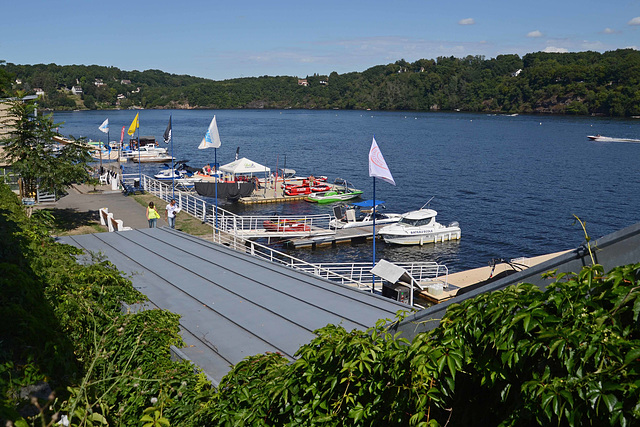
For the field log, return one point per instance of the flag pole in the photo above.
(215, 165)
(108, 145)
(173, 162)
(100, 150)
(373, 277)
(139, 164)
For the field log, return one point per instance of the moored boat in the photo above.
(285, 225)
(298, 190)
(341, 192)
(419, 227)
(333, 196)
(355, 216)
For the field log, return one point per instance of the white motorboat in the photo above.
(146, 153)
(160, 158)
(355, 216)
(419, 227)
(601, 138)
(169, 173)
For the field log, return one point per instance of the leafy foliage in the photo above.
(562, 83)
(104, 366)
(29, 150)
(566, 356)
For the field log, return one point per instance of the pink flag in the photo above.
(377, 166)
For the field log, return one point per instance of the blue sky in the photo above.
(223, 40)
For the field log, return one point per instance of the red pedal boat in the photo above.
(296, 190)
(285, 225)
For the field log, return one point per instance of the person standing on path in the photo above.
(152, 215)
(170, 214)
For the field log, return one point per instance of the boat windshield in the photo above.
(416, 222)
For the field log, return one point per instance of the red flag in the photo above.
(122, 135)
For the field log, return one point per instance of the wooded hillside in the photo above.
(559, 83)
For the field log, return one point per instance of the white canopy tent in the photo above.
(245, 166)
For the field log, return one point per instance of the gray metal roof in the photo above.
(233, 305)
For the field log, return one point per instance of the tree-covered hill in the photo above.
(558, 83)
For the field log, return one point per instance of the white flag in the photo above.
(211, 138)
(104, 127)
(377, 166)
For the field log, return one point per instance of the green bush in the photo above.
(62, 325)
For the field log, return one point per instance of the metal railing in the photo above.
(424, 273)
(269, 254)
(245, 226)
(356, 274)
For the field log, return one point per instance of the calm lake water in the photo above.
(513, 183)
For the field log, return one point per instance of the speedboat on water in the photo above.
(419, 227)
(355, 216)
(601, 138)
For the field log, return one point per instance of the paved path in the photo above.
(82, 198)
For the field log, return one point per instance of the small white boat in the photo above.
(601, 138)
(147, 154)
(419, 227)
(355, 216)
(169, 173)
(159, 158)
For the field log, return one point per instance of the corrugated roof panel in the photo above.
(235, 305)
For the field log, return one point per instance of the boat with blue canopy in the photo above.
(361, 214)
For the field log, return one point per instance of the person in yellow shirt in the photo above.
(152, 215)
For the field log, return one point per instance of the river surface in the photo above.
(513, 183)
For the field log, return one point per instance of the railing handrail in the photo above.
(337, 272)
(199, 208)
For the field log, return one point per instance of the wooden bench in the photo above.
(107, 219)
(117, 225)
(104, 216)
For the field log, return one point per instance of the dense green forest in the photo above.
(556, 83)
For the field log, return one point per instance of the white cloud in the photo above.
(553, 49)
(470, 21)
(609, 31)
(635, 21)
(535, 33)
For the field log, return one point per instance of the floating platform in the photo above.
(341, 235)
(273, 195)
(456, 281)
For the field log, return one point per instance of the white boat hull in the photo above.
(611, 139)
(393, 218)
(421, 237)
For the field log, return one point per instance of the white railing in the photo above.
(422, 272)
(228, 221)
(264, 252)
(357, 274)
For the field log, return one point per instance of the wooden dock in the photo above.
(342, 235)
(275, 194)
(463, 279)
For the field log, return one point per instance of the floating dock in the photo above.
(276, 195)
(341, 235)
(464, 279)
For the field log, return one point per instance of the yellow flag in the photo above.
(134, 125)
